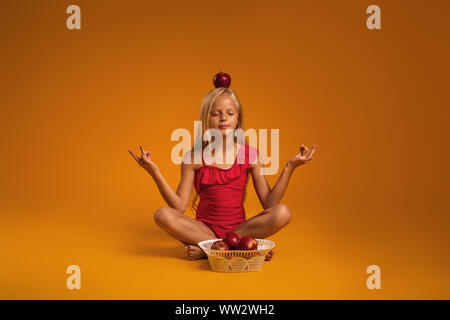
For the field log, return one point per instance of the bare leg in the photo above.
(266, 223)
(185, 229)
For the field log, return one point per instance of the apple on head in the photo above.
(222, 79)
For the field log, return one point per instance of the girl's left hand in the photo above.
(303, 157)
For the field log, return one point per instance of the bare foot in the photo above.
(194, 252)
(269, 255)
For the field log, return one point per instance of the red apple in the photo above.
(247, 243)
(232, 239)
(222, 79)
(220, 245)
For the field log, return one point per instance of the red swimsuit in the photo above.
(221, 192)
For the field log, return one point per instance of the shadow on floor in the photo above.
(176, 252)
(203, 264)
(146, 240)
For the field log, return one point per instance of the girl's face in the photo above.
(224, 115)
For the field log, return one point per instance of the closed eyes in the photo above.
(229, 113)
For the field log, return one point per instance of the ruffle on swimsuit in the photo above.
(221, 192)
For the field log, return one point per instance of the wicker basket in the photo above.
(237, 260)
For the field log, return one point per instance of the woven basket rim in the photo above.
(269, 242)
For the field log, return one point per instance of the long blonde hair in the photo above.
(205, 113)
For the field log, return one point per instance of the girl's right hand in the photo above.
(145, 161)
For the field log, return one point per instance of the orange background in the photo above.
(74, 101)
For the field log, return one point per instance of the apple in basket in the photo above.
(247, 243)
(232, 239)
(220, 245)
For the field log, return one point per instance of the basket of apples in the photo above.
(234, 253)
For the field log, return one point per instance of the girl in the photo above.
(221, 187)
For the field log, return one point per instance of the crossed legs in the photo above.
(190, 231)
(185, 229)
(266, 223)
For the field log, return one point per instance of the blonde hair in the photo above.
(205, 113)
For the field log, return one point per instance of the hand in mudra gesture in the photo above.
(145, 161)
(304, 156)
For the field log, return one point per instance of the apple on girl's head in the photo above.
(247, 243)
(232, 239)
(222, 79)
(220, 245)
